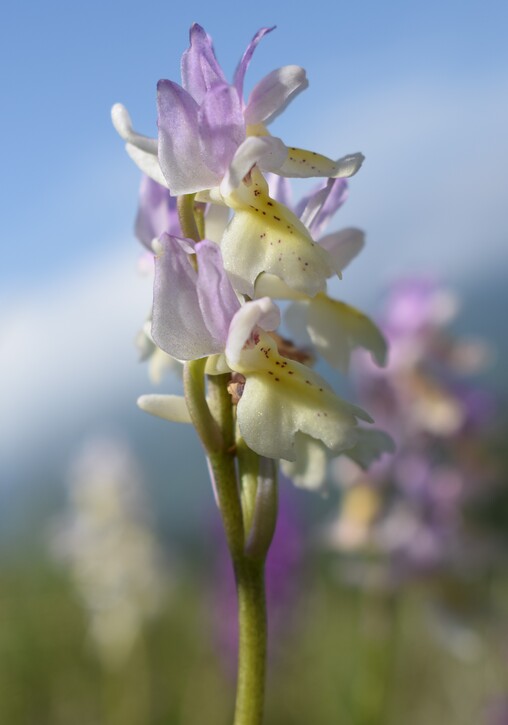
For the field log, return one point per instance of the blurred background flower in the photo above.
(107, 540)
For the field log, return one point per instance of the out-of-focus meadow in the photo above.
(388, 599)
(429, 650)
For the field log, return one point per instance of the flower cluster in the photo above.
(407, 512)
(106, 540)
(216, 214)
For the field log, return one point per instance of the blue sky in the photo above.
(420, 88)
(67, 182)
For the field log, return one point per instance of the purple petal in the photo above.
(274, 92)
(156, 212)
(217, 299)
(306, 198)
(179, 149)
(322, 204)
(343, 247)
(246, 58)
(178, 326)
(280, 189)
(221, 127)
(199, 66)
(334, 199)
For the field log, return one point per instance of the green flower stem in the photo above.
(187, 217)
(250, 691)
(220, 406)
(213, 420)
(248, 466)
(195, 397)
(219, 449)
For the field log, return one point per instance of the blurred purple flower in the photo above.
(157, 213)
(416, 518)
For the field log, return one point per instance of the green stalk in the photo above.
(214, 423)
(250, 693)
(187, 217)
(248, 467)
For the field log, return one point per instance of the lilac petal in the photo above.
(179, 150)
(246, 58)
(274, 92)
(322, 205)
(157, 212)
(306, 199)
(199, 67)
(178, 326)
(343, 246)
(221, 127)
(216, 296)
(280, 189)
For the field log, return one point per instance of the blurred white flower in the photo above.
(106, 539)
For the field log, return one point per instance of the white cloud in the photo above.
(68, 347)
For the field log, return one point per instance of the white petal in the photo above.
(260, 312)
(210, 196)
(141, 149)
(159, 364)
(123, 125)
(295, 318)
(216, 221)
(147, 162)
(274, 92)
(266, 151)
(336, 329)
(169, 407)
(311, 464)
(348, 165)
(343, 246)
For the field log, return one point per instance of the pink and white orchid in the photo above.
(209, 137)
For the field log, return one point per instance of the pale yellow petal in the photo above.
(169, 407)
(265, 236)
(336, 329)
(310, 467)
(303, 164)
(282, 397)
